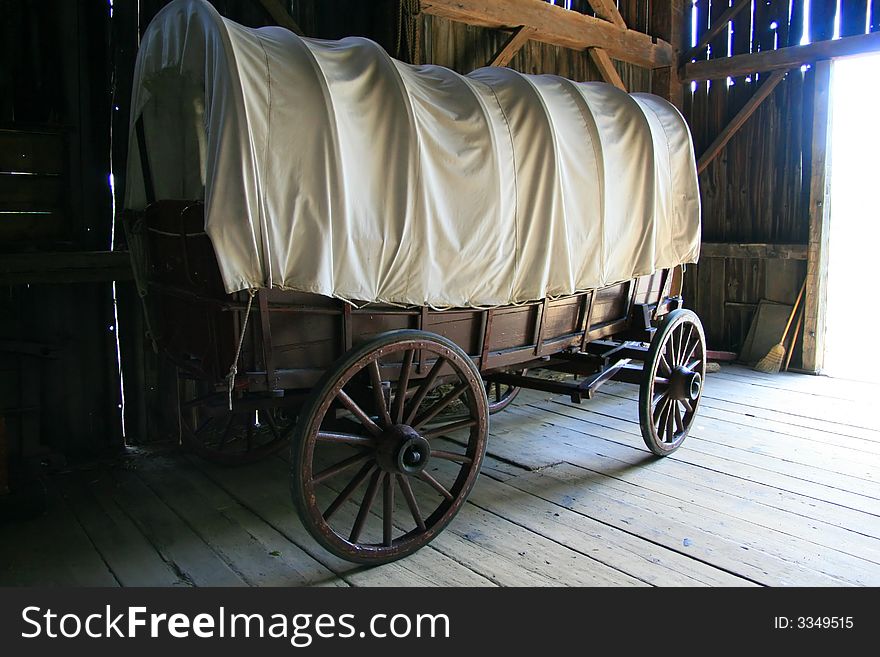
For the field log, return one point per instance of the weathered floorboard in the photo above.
(769, 489)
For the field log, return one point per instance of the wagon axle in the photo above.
(685, 384)
(402, 450)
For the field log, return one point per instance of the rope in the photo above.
(138, 256)
(407, 26)
(233, 370)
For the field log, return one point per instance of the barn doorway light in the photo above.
(854, 220)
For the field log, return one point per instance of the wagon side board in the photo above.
(200, 327)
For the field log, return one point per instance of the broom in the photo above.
(771, 363)
(797, 329)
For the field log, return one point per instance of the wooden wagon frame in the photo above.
(405, 391)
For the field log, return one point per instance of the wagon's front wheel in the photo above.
(388, 446)
(674, 371)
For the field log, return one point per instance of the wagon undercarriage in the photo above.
(386, 409)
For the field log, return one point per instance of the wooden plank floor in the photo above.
(778, 484)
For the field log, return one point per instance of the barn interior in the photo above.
(778, 483)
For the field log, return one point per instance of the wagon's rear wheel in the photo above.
(673, 382)
(253, 430)
(371, 477)
(501, 395)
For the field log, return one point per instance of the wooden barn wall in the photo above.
(757, 190)
(59, 388)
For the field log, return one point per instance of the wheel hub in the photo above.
(402, 450)
(685, 384)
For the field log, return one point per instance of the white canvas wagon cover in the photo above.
(329, 167)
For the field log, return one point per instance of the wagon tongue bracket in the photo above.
(403, 450)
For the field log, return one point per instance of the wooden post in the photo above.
(667, 23)
(817, 252)
(4, 459)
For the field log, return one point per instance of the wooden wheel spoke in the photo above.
(402, 385)
(358, 412)
(685, 343)
(423, 390)
(672, 348)
(270, 422)
(250, 435)
(227, 432)
(449, 428)
(670, 426)
(694, 364)
(656, 398)
(679, 421)
(664, 363)
(344, 438)
(411, 502)
(366, 505)
(661, 380)
(342, 466)
(346, 492)
(669, 353)
(436, 485)
(498, 395)
(441, 404)
(388, 511)
(378, 392)
(690, 352)
(688, 407)
(205, 425)
(661, 407)
(450, 456)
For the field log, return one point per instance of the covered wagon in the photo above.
(362, 260)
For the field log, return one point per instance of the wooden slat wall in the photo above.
(758, 189)
(58, 384)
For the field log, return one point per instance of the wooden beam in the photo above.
(667, 22)
(557, 26)
(783, 58)
(754, 250)
(737, 121)
(715, 30)
(608, 10)
(606, 67)
(65, 267)
(279, 15)
(817, 254)
(517, 40)
(4, 459)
